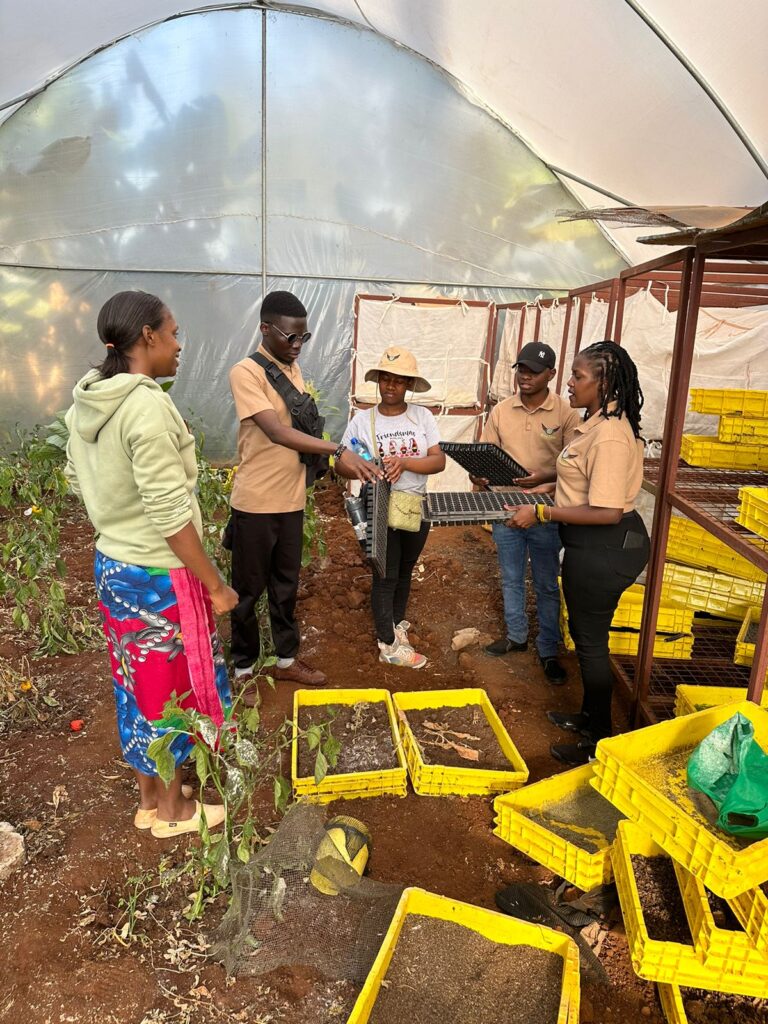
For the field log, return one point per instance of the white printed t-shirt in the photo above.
(409, 435)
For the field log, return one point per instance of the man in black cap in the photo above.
(533, 426)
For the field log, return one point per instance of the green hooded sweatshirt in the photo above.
(131, 458)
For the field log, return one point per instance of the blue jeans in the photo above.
(540, 543)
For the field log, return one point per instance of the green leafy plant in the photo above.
(237, 760)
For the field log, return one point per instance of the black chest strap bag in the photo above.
(304, 414)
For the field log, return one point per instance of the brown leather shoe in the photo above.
(299, 672)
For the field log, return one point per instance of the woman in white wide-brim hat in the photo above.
(405, 438)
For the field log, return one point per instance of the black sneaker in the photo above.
(574, 754)
(505, 646)
(573, 721)
(553, 670)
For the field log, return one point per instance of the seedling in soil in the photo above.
(363, 731)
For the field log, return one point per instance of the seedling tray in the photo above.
(350, 785)
(494, 926)
(641, 772)
(689, 698)
(560, 823)
(443, 780)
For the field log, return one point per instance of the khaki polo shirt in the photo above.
(269, 477)
(533, 437)
(602, 466)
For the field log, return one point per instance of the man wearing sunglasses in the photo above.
(269, 492)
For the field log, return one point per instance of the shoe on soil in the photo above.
(144, 819)
(505, 646)
(573, 721)
(214, 816)
(553, 670)
(401, 631)
(574, 754)
(299, 672)
(401, 654)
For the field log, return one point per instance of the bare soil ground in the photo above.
(66, 954)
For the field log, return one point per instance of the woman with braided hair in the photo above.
(605, 542)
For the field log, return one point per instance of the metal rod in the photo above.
(760, 660)
(620, 300)
(590, 184)
(659, 32)
(682, 356)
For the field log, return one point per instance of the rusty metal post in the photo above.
(682, 358)
(621, 298)
(760, 661)
(564, 343)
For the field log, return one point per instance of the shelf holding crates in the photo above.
(692, 545)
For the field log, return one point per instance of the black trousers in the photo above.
(389, 594)
(266, 555)
(599, 563)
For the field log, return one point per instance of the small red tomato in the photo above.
(76, 724)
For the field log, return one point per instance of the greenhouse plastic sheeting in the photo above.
(48, 339)
(503, 382)
(449, 343)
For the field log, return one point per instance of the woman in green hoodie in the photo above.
(132, 460)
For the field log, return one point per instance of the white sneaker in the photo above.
(400, 654)
(401, 631)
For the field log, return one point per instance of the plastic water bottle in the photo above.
(360, 449)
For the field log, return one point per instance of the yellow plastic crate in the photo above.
(653, 959)
(742, 428)
(705, 450)
(351, 785)
(673, 1008)
(499, 928)
(693, 545)
(664, 646)
(674, 617)
(722, 401)
(522, 821)
(721, 949)
(745, 651)
(713, 592)
(753, 510)
(689, 698)
(637, 771)
(751, 908)
(442, 780)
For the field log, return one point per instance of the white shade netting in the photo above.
(448, 341)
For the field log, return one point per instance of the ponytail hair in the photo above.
(120, 324)
(618, 381)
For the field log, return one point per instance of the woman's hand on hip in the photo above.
(223, 598)
(523, 516)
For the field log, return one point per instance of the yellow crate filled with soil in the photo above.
(371, 760)
(743, 428)
(691, 544)
(718, 935)
(695, 1006)
(444, 961)
(658, 934)
(753, 510)
(722, 401)
(643, 773)
(690, 698)
(562, 823)
(703, 450)
(744, 653)
(713, 592)
(751, 908)
(455, 743)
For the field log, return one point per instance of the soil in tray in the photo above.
(722, 913)
(663, 910)
(439, 731)
(717, 1008)
(750, 637)
(363, 730)
(667, 773)
(584, 819)
(442, 972)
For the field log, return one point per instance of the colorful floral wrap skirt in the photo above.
(162, 641)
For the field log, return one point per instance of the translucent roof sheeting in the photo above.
(590, 87)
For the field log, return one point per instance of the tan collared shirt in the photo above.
(533, 437)
(602, 466)
(269, 477)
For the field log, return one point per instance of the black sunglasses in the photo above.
(292, 338)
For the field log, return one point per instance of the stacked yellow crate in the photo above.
(742, 433)
(644, 776)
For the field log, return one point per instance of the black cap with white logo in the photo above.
(536, 356)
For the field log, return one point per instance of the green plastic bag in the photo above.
(731, 769)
